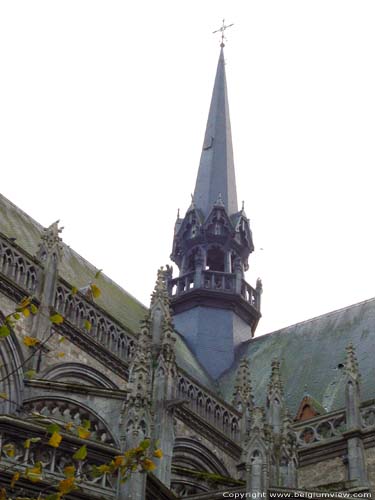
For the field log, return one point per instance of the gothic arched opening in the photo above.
(215, 259)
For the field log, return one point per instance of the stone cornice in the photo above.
(49, 385)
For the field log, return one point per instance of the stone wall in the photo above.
(370, 461)
(322, 473)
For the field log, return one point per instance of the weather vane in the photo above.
(221, 30)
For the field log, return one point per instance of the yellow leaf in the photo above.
(26, 312)
(95, 291)
(34, 474)
(60, 354)
(148, 465)
(9, 450)
(56, 319)
(158, 453)
(61, 339)
(103, 468)
(55, 440)
(119, 460)
(3, 395)
(26, 301)
(28, 442)
(3, 494)
(69, 470)
(30, 341)
(83, 433)
(87, 325)
(67, 485)
(74, 290)
(15, 478)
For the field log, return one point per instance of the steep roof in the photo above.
(216, 175)
(312, 354)
(77, 271)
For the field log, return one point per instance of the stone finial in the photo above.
(351, 364)
(50, 241)
(160, 293)
(243, 394)
(259, 285)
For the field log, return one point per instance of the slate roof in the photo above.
(77, 271)
(216, 173)
(312, 354)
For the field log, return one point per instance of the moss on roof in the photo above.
(77, 271)
(312, 354)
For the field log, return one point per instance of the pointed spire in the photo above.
(216, 169)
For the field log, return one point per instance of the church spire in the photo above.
(216, 176)
(211, 247)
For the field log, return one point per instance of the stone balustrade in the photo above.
(320, 429)
(76, 309)
(214, 281)
(18, 267)
(209, 408)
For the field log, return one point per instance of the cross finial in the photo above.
(221, 30)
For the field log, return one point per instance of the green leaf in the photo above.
(33, 309)
(56, 319)
(53, 428)
(81, 454)
(144, 444)
(16, 316)
(87, 325)
(30, 373)
(4, 331)
(54, 496)
(86, 424)
(98, 273)
(27, 443)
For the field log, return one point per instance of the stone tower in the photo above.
(214, 308)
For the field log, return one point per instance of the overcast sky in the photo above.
(103, 107)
